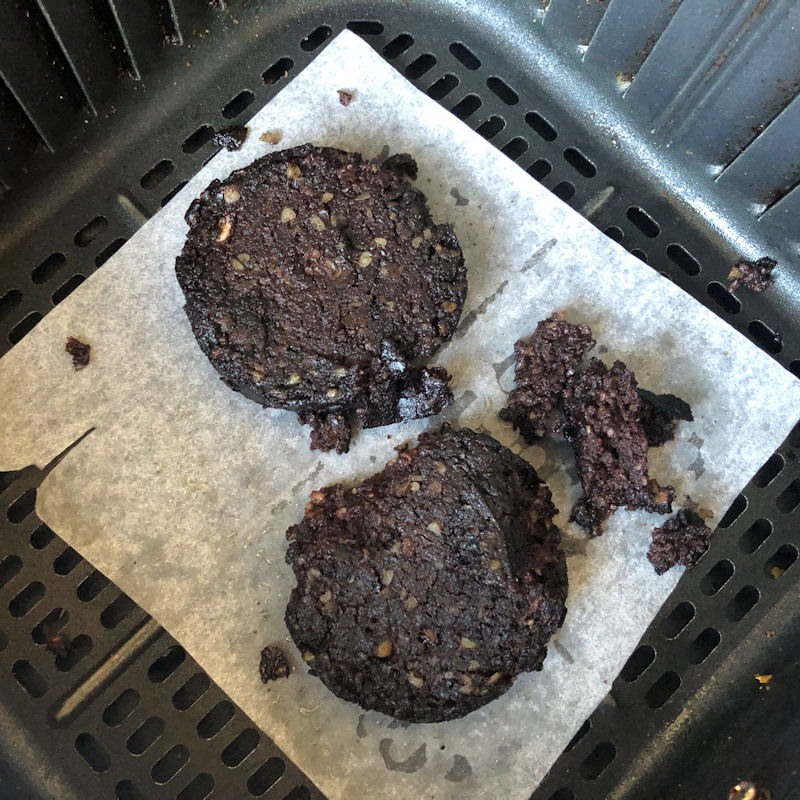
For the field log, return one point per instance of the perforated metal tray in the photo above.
(671, 125)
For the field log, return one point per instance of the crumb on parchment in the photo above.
(79, 351)
(600, 410)
(273, 664)
(682, 539)
(271, 137)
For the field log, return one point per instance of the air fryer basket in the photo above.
(670, 124)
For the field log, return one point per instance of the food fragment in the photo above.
(427, 604)
(170, 37)
(745, 790)
(544, 362)
(755, 275)
(345, 98)
(56, 642)
(79, 351)
(660, 414)
(274, 664)
(682, 539)
(601, 410)
(271, 137)
(231, 138)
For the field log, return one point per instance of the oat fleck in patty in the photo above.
(424, 591)
(316, 281)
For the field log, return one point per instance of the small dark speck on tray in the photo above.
(231, 138)
(273, 664)
(59, 644)
(345, 98)
(755, 275)
(79, 352)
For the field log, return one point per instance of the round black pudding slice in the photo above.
(317, 281)
(424, 591)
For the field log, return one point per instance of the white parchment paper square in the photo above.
(183, 492)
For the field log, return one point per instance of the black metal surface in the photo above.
(66, 211)
(687, 716)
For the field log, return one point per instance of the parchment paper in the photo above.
(183, 492)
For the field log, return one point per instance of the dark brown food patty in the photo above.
(424, 591)
(544, 362)
(315, 279)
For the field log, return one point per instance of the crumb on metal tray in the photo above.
(231, 138)
(170, 37)
(755, 275)
(55, 642)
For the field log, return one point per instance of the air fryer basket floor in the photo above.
(107, 110)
